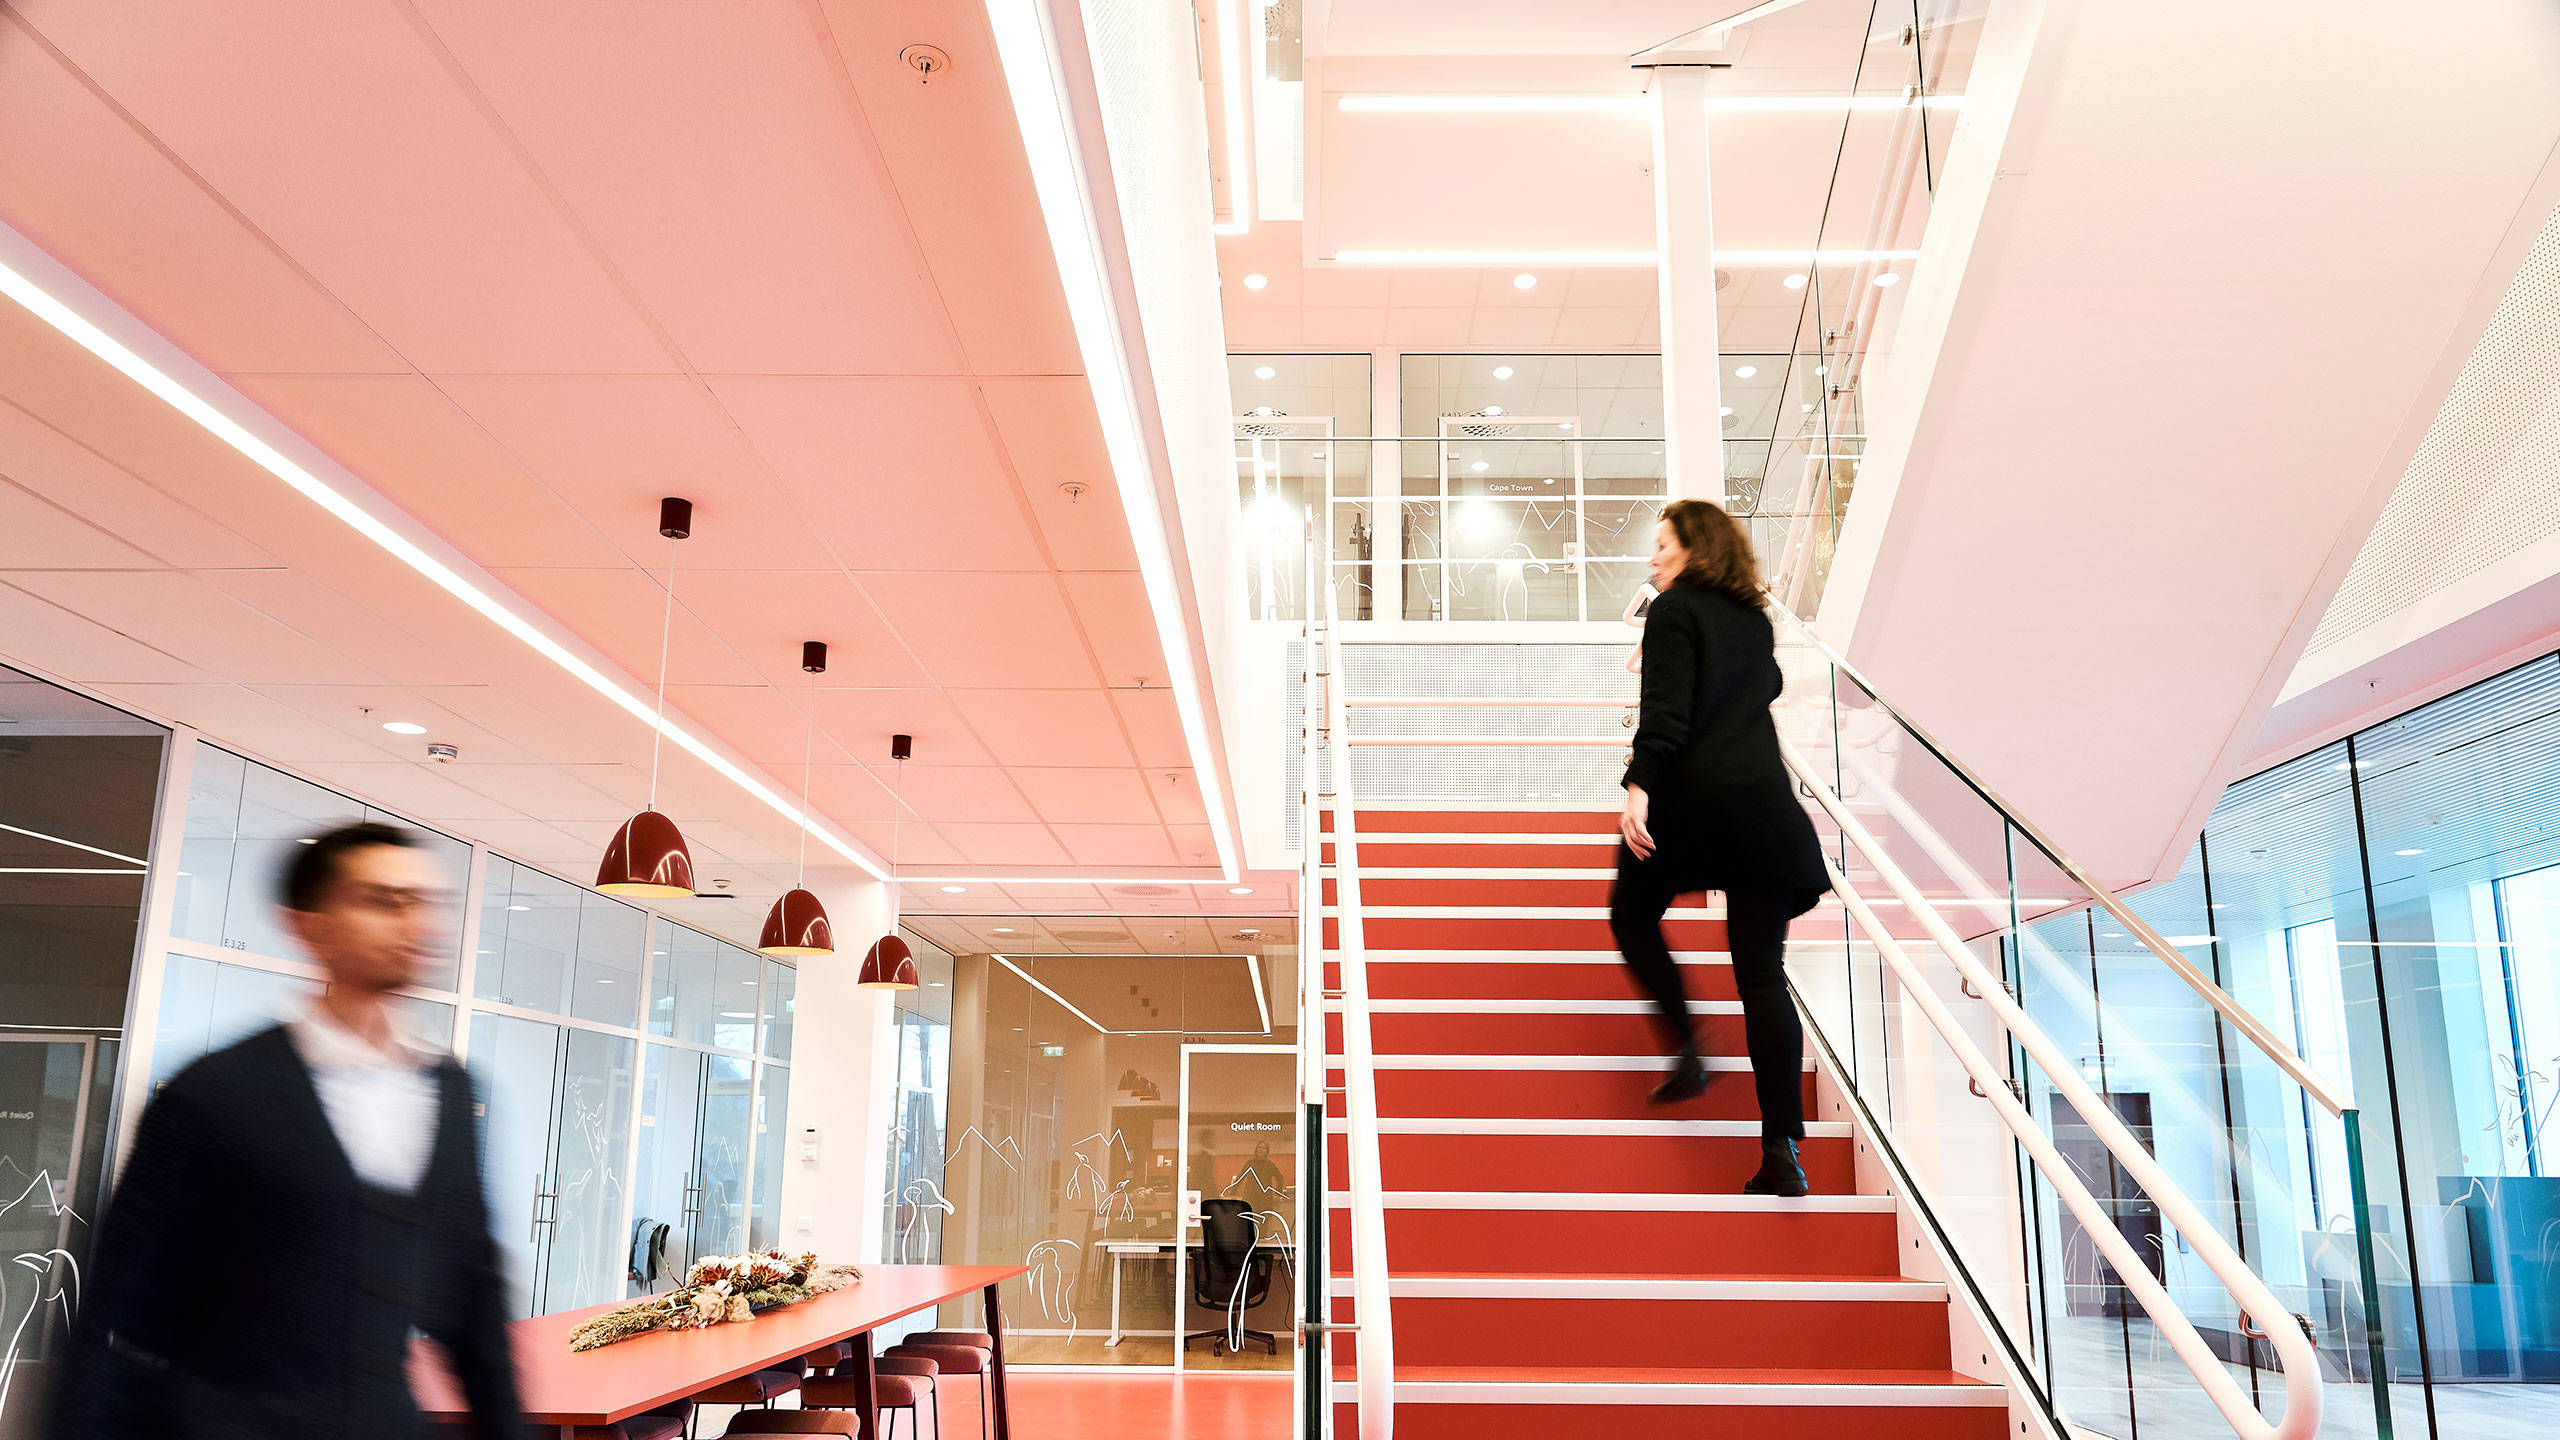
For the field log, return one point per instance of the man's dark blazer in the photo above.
(247, 1284)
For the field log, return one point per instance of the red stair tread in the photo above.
(1665, 1375)
(1783, 1277)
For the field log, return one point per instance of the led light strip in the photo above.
(76, 845)
(90, 337)
(1239, 175)
(1027, 51)
(1565, 104)
(1034, 983)
(1481, 258)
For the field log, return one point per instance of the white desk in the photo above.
(1121, 1250)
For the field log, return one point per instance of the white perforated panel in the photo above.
(2486, 482)
(1582, 774)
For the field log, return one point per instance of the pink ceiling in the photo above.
(524, 270)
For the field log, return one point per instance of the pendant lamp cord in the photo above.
(808, 743)
(666, 628)
(897, 831)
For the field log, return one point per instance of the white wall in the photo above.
(842, 1078)
(2181, 320)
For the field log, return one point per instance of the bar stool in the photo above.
(925, 1373)
(953, 1360)
(795, 1422)
(757, 1388)
(844, 1392)
(828, 1357)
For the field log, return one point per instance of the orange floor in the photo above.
(1083, 1406)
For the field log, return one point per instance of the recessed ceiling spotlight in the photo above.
(1004, 929)
(2408, 852)
(1821, 369)
(1887, 280)
(1493, 409)
(1808, 407)
(403, 727)
(933, 985)
(1479, 467)
(1745, 372)
(1564, 424)
(1792, 282)
(1263, 372)
(1256, 282)
(519, 907)
(1239, 889)
(1725, 411)
(955, 889)
(1524, 282)
(1501, 372)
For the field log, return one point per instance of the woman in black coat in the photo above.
(1709, 807)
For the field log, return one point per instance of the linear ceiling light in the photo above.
(1568, 104)
(1052, 994)
(74, 844)
(1488, 259)
(83, 332)
(1028, 53)
(1231, 23)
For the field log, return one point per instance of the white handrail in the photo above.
(2300, 1363)
(1375, 1343)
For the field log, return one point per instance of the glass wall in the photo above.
(79, 783)
(1047, 1069)
(630, 1070)
(2385, 905)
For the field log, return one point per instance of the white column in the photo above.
(1386, 485)
(1684, 236)
(843, 1054)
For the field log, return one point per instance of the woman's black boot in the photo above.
(1779, 1172)
(1687, 1081)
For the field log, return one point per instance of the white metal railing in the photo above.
(2301, 1365)
(2299, 1361)
(1363, 1188)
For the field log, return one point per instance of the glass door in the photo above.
(720, 1156)
(45, 1090)
(514, 1062)
(591, 1126)
(667, 1183)
(1235, 1277)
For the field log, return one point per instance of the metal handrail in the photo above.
(2249, 1026)
(2301, 1365)
(1315, 1373)
(1374, 1346)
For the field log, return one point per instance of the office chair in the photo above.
(1232, 1274)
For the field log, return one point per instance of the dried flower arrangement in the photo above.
(717, 1290)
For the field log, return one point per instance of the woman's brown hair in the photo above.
(1720, 556)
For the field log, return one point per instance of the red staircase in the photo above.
(1563, 1258)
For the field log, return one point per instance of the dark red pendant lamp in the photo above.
(647, 856)
(797, 923)
(891, 965)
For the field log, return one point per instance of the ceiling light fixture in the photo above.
(2408, 852)
(1041, 110)
(404, 727)
(1480, 467)
(76, 845)
(1502, 372)
(1524, 282)
(1887, 280)
(1795, 281)
(890, 965)
(1231, 32)
(1495, 259)
(797, 923)
(647, 856)
(1256, 281)
(183, 384)
(1745, 372)
(1493, 409)
(1590, 104)
(1263, 372)
(1239, 889)
(1071, 1009)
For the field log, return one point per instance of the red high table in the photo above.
(562, 1388)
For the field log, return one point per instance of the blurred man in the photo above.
(296, 1205)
